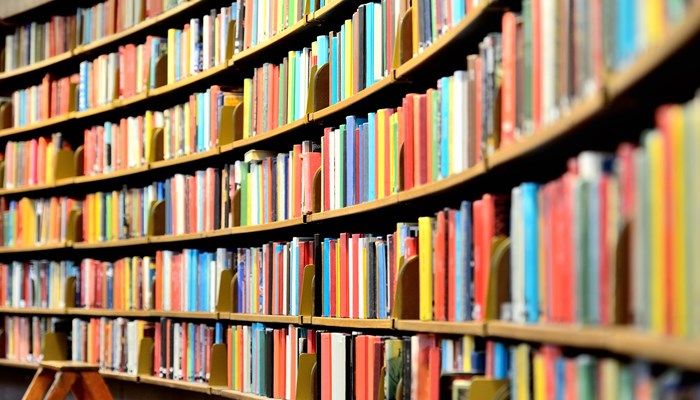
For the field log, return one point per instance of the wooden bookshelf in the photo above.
(103, 312)
(177, 238)
(43, 64)
(184, 159)
(97, 110)
(272, 319)
(233, 394)
(444, 327)
(173, 384)
(33, 249)
(111, 244)
(119, 376)
(18, 364)
(272, 42)
(110, 175)
(51, 122)
(267, 136)
(354, 209)
(352, 323)
(199, 315)
(564, 335)
(32, 311)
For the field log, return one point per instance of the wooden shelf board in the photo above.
(352, 210)
(270, 42)
(119, 376)
(234, 394)
(306, 319)
(36, 66)
(219, 233)
(619, 82)
(448, 183)
(238, 230)
(133, 99)
(111, 243)
(274, 319)
(323, 12)
(187, 81)
(457, 328)
(579, 114)
(26, 189)
(26, 249)
(184, 314)
(4, 362)
(666, 350)
(141, 26)
(429, 54)
(353, 323)
(169, 383)
(184, 159)
(39, 125)
(32, 311)
(110, 175)
(177, 238)
(97, 110)
(102, 312)
(358, 97)
(563, 335)
(281, 130)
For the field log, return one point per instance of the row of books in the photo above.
(276, 186)
(182, 350)
(568, 234)
(113, 344)
(199, 45)
(32, 162)
(31, 222)
(125, 284)
(37, 283)
(51, 98)
(258, 21)
(36, 41)
(120, 214)
(22, 337)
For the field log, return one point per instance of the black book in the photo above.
(217, 198)
(406, 379)
(371, 279)
(318, 277)
(362, 56)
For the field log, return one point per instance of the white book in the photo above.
(549, 72)
(285, 280)
(294, 286)
(288, 363)
(351, 275)
(206, 42)
(517, 256)
(247, 373)
(460, 124)
(378, 43)
(338, 372)
(361, 278)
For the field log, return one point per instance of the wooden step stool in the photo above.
(55, 379)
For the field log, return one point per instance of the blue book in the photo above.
(110, 286)
(361, 163)
(326, 277)
(465, 228)
(372, 158)
(592, 296)
(530, 232)
(161, 191)
(500, 361)
(444, 86)
(254, 38)
(190, 348)
(322, 49)
(626, 32)
(218, 333)
(382, 278)
(334, 70)
(350, 161)
(82, 87)
(369, 44)
(200, 122)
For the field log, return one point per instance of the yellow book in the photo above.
(522, 372)
(148, 133)
(100, 206)
(654, 147)
(610, 377)
(693, 126)
(539, 378)
(467, 350)
(337, 278)
(654, 21)
(217, 40)
(393, 139)
(29, 228)
(678, 173)
(171, 55)
(425, 248)
(247, 106)
(349, 59)
(260, 195)
(415, 16)
(381, 158)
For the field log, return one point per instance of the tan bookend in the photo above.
(224, 303)
(484, 388)
(145, 362)
(74, 231)
(406, 303)
(73, 99)
(306, 308)
(317, 187)
(234, 293)
(69, 292)
(79, 161)
(236, 208)
(156, 153)
(381, 393)
(319, 89)
(305, 377)
(64, 165)
(55, 346)
(231, 124)
(6, 115)
(499, 279)
(161, 71)
(403, 50)
(156, 218)
(231, 39)
(219, 366)
(623, 292)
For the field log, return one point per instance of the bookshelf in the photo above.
(613, 94)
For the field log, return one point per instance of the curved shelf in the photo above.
(264, 137)
(184, 314)
(353, 323)
(36, 66)
(55, 121)
(32, 311)
(33, 249)
(233, 394)
(118, 376)
(272, 319)
(445, 327)
(4, 362)
(104, 312)
(173, 384)
(111, 244)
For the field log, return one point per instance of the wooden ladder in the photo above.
(55, 379)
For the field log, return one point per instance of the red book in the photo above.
(420, 130)
(276, 367)
(439, 266)
(411, 247)
(489, 359)
(566, 266)
(664, 121)
(434, 379)
(310, 163)
(361, 368)
(326, 365)
(333, 278)
(508, 83)
(451, 266)
(355, 276)
(371, 382)
(297, 181)
(408, 142)
(425, 343)
(429, 112)
(344, 276)
(175, 279)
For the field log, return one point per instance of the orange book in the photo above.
(440, 268)
(508, 83)
(361, 367)
(429, 113)
(229, 360)
(159, 281)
